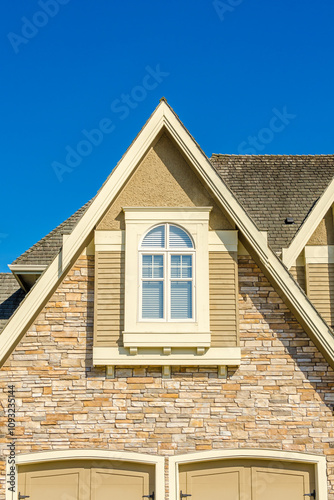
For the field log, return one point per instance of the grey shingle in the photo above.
(11, 295)
(272, 187)
(44, 251)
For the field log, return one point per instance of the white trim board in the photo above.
(319, 254)
(165, 118)
(27, 269)
(119, 356)
(319, 461)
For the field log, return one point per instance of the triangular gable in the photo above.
(290, 254)
(164, 118)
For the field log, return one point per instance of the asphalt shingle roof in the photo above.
(270, 188)
(11, 295)
(45, 250)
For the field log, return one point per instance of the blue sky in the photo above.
(243, 76)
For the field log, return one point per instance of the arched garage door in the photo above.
(247, 480)
(86, 480)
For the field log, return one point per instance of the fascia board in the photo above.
(27, 269)
(290, 254)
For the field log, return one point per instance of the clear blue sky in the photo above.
(227, 69)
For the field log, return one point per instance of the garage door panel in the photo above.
(86, 480)
(247, 480)
(118, 484)
(278, 484)
(224, 484)
(59, 484)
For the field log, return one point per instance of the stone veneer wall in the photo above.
(281, 397)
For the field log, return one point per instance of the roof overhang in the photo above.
(164, 118)
(27, 275)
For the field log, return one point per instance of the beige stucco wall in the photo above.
(163, 179)
(281, 397)
(324, 234)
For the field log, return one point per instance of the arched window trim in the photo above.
(168, 224)
(167, 252)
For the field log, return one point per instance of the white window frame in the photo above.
(142, 332)
(167, 279)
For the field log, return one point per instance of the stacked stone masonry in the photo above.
(281, 397)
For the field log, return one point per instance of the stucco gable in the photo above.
(164, 179)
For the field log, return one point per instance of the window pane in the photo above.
(181, 299)
(155, 238)
(158, 266)
(176, 266)
(178, 238)
(186, 266)
(152, 307)
(147, 266)
(181, 266)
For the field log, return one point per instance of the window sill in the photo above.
(120, 356)
(156, 339)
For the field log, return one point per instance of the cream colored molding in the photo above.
(166, 214)
(26, 269)
(164, 118)
(223, 241)
(120, 356)
(166, 371)
(109, 241)
(110, 371)
(222, 371)
(319, 254)
(319, 462)
(138, 220)
(290, 254)
(158, 339)
(265, 235)
(93, 454)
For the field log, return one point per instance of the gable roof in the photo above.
(164, 119)
(270, 188)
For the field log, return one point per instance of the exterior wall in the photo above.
(320, 289)
(109, 303)
(279, 398)
(171, 182)
(223, 284)
(298, 272)
(324, 234)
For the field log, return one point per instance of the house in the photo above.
(173, 337)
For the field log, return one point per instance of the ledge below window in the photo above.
(193, 340)
(214, 356)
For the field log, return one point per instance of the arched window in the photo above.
(167, 274)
